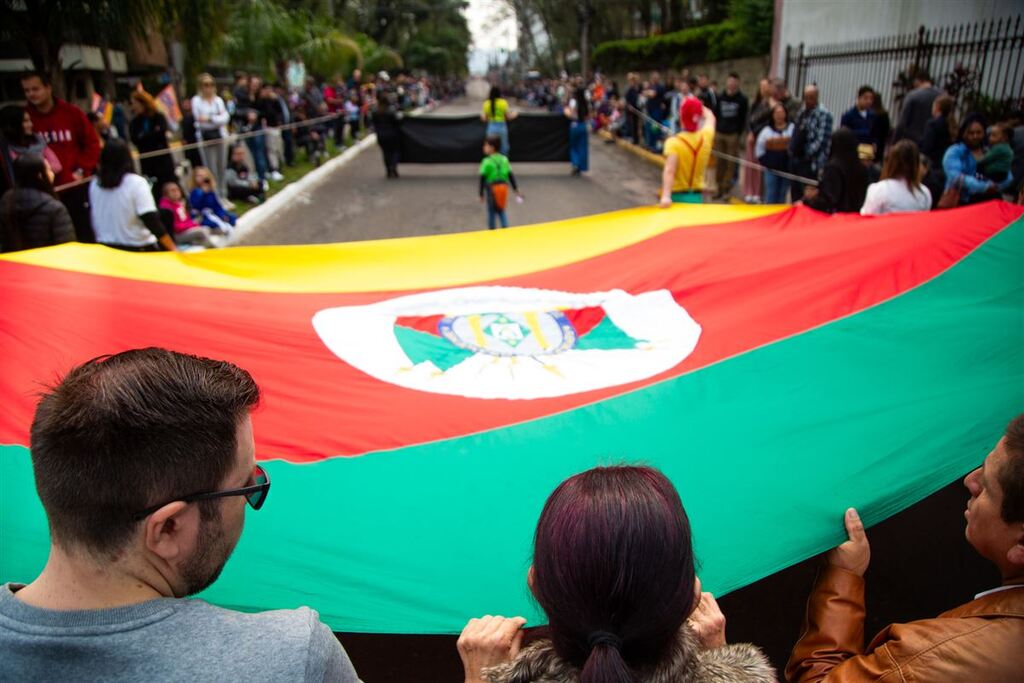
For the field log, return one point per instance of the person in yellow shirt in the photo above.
(687, 154)
(497, 115)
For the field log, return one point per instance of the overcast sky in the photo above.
(481, 14)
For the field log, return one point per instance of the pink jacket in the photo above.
(182, 220)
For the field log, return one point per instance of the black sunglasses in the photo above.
(255, 495)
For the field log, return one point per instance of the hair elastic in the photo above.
(604, 638)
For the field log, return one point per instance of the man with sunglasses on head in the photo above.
(144, 463)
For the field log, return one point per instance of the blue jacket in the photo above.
(862, 127)
(959, 163)
(208, 200)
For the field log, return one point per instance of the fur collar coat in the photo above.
(687, 663)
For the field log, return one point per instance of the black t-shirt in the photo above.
(731, 116)
(270, 110)
(656, 104)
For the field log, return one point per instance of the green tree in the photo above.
(43, 27)
(265, 35)
(551, 29)
(200, 27)
(755, 20)
(428, 34)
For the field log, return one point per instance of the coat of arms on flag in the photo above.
(510, 342)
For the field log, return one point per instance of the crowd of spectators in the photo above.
(768, 144)
(230, 145)
(241, 139)
(613, 564)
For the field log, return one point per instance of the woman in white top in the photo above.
(121, 205)
(211, 115)
(900, 188)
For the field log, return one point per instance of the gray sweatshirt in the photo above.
(168, 639)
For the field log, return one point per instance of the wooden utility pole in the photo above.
(585, 13)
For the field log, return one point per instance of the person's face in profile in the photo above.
(218, 534)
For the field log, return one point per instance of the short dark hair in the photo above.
(613, 552)
(494, 141)
(921, 75)
(12, 122)
(29, 172)
(733, 74)
(44, 77)
(1011, 478)
(865, 89)
(123, 432)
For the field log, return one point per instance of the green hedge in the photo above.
(708, 43)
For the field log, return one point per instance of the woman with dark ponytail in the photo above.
(497, 114)
(613, 570)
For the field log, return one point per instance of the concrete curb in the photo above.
(635, 150)
(252, 219)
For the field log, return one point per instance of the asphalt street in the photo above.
(359, 203)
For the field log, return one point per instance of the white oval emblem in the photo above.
(511, 342)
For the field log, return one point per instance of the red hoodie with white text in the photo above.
(70, 135)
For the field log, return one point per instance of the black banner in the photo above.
(459, 139)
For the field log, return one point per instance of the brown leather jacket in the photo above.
(980, 642)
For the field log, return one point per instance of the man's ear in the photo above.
(1016, 552)
(169, 530)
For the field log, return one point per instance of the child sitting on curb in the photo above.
(239, 179)
(178, 219)
(205, 201)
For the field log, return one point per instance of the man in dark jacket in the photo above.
(632, 102)
(811, 142)
(917, 108)
(30, 217)
(655, 105)
(860, 118)
(979, 641)
(730, 122)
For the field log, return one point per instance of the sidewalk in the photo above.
(301, 167)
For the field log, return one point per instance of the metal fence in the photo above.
(981, 64)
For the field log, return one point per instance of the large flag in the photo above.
(167, 102)
(102, 108)
(424, 396)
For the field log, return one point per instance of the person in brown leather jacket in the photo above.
(981, 641)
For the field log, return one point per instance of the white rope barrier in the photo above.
(722, 155)
(234, 137)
